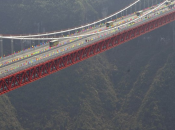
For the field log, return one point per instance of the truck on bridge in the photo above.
(53, 43)
(110, 23)
(138, 13)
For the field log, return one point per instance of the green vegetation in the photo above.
(130, 87)
(8, 117)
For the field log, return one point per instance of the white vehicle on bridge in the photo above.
(138, 13)
(132, 23)
(110, 23)
(168, 2)
(53, 43)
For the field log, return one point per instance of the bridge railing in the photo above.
(22, 52)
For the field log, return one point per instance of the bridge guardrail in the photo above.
(17, 54)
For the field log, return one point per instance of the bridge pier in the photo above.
(12, 47)
(1, 46)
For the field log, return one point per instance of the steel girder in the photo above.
(41, 70)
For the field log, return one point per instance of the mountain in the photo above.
(130, 87)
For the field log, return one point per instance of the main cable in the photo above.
(90, 33)
(53, 33)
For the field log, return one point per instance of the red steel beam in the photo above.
(41, 70)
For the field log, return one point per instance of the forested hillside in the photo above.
(130, 87)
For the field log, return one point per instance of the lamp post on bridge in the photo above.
(131, 10)
(22, 44)
(144, 4)
(12, 47)
(1, 46)
(140, 5)
(135, 7)
(148, 3)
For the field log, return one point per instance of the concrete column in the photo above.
(12, 46)
(1, 46)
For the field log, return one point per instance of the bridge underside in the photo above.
(31, 74)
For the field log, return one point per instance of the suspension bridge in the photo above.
(77, 44)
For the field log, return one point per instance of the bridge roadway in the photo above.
(60, 50)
